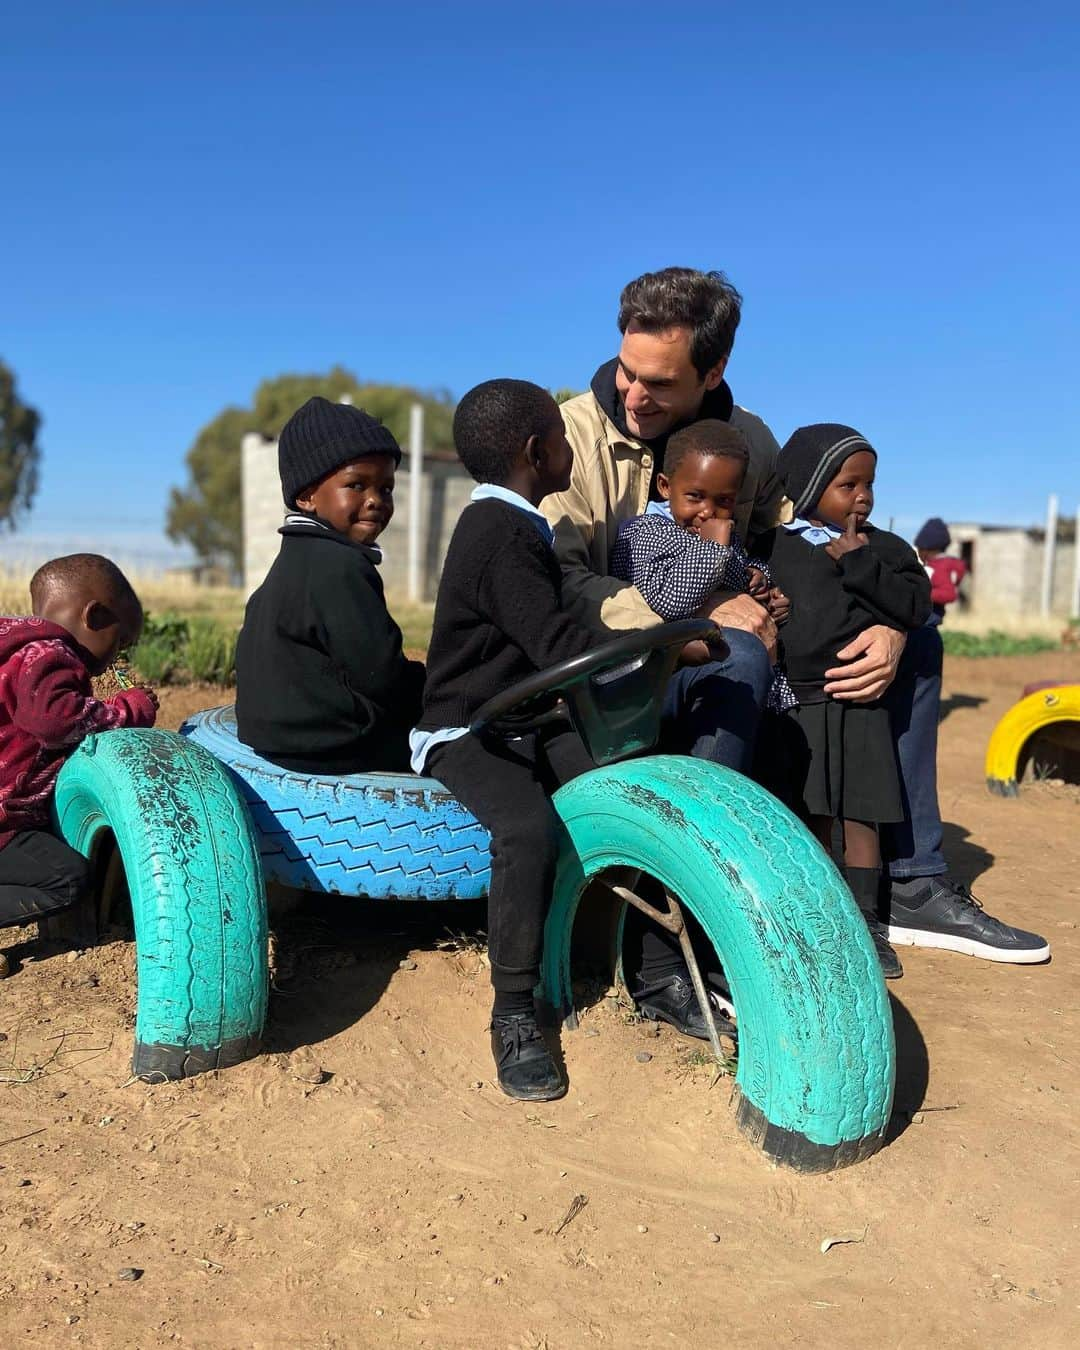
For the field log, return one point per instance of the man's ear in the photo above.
(663, 486)
(714, 376)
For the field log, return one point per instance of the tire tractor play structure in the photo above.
(1040, 732)
(200, 823)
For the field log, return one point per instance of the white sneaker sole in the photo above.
(948, 942)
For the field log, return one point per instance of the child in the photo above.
(842, 575)
(85, 613)
(946, 574)
(498, 618)
(322, 685)
(685, 547)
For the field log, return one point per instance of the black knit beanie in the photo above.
(811, 459)
(321, 436)
(934, 536)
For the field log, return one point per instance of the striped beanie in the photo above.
(812, 458)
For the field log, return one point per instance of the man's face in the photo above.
(658, 383)
(357, 499)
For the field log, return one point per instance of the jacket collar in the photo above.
(308, 523)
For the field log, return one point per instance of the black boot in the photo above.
(523, 1062)
(864, 883)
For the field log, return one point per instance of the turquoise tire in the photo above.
(816, 1049)
(197, 894)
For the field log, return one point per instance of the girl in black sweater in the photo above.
(842, 575)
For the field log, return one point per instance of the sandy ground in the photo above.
(363, 1184)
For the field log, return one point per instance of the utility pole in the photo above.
(1049, 549)
(1074, 599)
(416, 471)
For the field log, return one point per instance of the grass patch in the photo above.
(996, 643)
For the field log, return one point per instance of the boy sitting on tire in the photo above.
(85, 613)
(498, 618)
(322, 685)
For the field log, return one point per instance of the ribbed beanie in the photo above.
(811, 459)
(934, 536)
(321, 436)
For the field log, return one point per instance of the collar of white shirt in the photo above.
(488, 491)
(813, 534)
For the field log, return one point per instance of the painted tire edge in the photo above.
(197, 893)
(1016, 727)
(817, 1051)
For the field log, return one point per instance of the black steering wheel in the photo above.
(612, 694)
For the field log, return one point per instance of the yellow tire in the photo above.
(1034, 713)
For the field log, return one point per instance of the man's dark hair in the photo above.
(706, 438)
(681, 297)
(493, 422)
(89, 573)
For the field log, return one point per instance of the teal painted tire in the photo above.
(816, 1050)
(197, 893)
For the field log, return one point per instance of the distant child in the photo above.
(685, 547)
(498, 618)
(946, 574)
(85, 613)
(322, 685)
(843, 576)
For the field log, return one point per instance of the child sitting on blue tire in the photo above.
(84, 613)
(322, 684)
(499, 618)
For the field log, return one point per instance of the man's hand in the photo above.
(849, 541)
(779, 606)
(873, 657)
(719, 531)
(742, 612)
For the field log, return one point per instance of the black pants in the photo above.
(39, 875)
(507, 785)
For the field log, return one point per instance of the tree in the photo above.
(19, 453)
(206, 514)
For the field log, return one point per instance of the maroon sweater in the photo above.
(47, 707)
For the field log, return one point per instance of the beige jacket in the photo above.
(610, 484)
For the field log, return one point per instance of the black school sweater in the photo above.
(832, 602)
(322, 685)
(498, 614)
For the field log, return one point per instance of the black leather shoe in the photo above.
(675, 1002)
(522, 1060)
(891, 968)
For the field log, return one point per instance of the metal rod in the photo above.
(1049, 548)
(416, 474)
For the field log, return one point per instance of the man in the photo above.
(678, 328)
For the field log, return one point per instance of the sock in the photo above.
(909, 887)
(513, 1003)
(661, 956)
(864, 883)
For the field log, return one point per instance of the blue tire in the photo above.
(197, 893)
(384, 836)
(816, 1050)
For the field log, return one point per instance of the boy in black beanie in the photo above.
(842, 575)
(322, 685)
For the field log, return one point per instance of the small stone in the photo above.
(477, 1084)
(713, 1237)
(643, 1056)
(130, 1273)
(450, 1298)
(5, 970)
(71, 958)
(591, 1031)
(456, 1198)
(407, 964)
(378, 1312)
(134, 1226)
(643, 1227)
(105, 1120)
(562, 1174)
(521, 1217)
(71, 1319)
(25, 1182)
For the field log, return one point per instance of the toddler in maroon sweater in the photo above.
(85, 612)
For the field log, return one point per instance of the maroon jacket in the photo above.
(47, 707)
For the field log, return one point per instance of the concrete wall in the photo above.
(1007, 567)
(446, 492)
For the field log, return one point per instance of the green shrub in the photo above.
(209, 652)
(155, 660)
(996, 643)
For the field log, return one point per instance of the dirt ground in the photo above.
(363, 1184)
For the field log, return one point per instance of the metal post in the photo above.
(1074, 605)
(416, 472)
(1049, 549)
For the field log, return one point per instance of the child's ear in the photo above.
(306, 503)
(534, 452)
(663, 486)
(96, 616)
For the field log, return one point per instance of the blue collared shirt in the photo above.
(813, 534)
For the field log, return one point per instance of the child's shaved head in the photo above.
(493, 421)
(84, 574)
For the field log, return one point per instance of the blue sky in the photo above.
(197, 196)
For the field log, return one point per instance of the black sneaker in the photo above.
(675, 1002)
(937, 912)
(523, 1062)
(891, 969)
